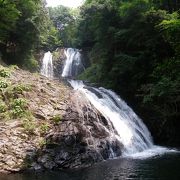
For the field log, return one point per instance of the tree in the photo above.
(25, 28)
(134, 50)
(65, 20)
(9, 15)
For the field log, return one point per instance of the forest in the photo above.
(130, 46)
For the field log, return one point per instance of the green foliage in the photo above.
(8, 18)
(91, 74)
(18, 107)
(3, 107)
(20, 102)
(129, 8)
(3, 84)
(10, 105)
(134, 49)
(25, 27)
(20, 88)
(65, 21)
(31, 64)
(13, 91)
(4, 73)
(171, 31)
(13, 67)
(52, 41)
(56, 119)
(42, 142)
(29, 126)
(44, 128)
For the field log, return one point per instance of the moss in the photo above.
(57, 118)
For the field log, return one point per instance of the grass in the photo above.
(44, 128)
(29, 125)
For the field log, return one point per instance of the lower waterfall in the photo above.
(131, 131)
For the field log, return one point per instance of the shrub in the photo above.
(21, 87)
(3, 84)
(4, 73)
(19, 102)
(18, 107)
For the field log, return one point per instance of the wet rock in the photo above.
(35, 166)
(69, 140)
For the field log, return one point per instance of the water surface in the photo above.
(161, 167)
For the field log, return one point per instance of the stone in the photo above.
(36, 166)
(80, 139)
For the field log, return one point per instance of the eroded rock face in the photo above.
(15, 146)
(80, 137)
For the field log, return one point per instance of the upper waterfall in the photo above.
(47, 65)
(73, 65)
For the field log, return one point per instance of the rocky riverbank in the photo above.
(44, 124)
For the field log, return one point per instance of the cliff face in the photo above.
(58, 62)
(44, 124)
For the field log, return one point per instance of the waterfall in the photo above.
(73, 65)
(47, 65)
(131, 131)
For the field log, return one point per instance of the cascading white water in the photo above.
(73, 65)
(131, 131)
(47, 65)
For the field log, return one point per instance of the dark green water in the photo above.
(162, 167)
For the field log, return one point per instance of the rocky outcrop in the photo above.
(15, 146)
(82, 138)
(58, 61)
(65, 131)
